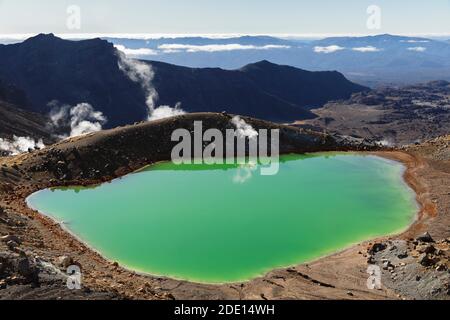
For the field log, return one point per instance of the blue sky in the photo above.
(226, 16)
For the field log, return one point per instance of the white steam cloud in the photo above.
(19, 145)
(329, 49)
(143, 74)
(80, 119)
(84, 119)
(166, 112)
(243, 129)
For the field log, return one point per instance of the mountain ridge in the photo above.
(51, 69)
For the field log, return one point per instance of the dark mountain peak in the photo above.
(265, 62)
(391, 37)
(261, 65)
(44, 41)
(387, 36)
(42, 37)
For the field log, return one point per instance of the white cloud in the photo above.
(136, 52)
(366, 49)
(415, 41)
(417, 49)
(329, 49)
(217, 47)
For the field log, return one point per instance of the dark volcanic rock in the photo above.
(426, 237)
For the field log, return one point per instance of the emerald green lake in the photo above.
(226, 223)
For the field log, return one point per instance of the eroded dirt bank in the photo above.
(36, 251)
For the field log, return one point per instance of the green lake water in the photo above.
(226, 223)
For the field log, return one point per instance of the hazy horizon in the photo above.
(154, 36)
(288, 17)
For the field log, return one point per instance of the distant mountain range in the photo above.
(49, 69)
(371, 60)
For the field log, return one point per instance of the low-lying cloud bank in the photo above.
(19, 145)
(336, 48)
(175, 48)
(366, 49)
(136, 52)
(75, 120)
(328, 49)
(167, 48)
(417, 49)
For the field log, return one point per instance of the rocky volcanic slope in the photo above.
(21, 123)
(395, 116)
(34, 251)
(419, 266)
(17, 122)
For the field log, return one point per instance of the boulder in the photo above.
(426, 248)
(377, 247)
(24, 268)
(64, 261)
(12, 245)
(441, 267)
(426, 237)
(387, 265)
(10, 237)
(425, 260)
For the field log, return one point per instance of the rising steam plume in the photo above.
(75, 120)
(143, 74)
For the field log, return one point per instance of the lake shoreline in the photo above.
(390, 157)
